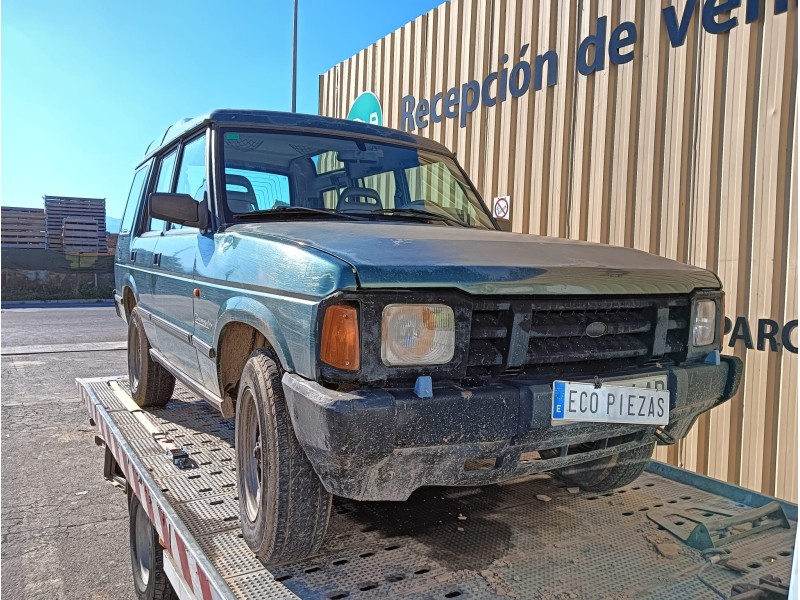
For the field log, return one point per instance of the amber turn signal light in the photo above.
(340, 343)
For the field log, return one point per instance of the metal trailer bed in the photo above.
(530, 538)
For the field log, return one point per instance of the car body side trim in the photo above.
(227, 285)
(144, 312)
(201, 346)
(178, 332)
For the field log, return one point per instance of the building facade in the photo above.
(669, 126)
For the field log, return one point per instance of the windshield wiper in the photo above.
(294, 210)
(422, 214)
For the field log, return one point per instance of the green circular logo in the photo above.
(366, 109)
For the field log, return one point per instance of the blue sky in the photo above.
(87, 85)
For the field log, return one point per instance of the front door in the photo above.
(158, 257)
(177, 252)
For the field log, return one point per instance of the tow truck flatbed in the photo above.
(530, 538)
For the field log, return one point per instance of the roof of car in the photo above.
(291, 121)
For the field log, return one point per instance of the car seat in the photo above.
(241, 196)
(358, 198)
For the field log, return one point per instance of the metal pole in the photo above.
(294, 61)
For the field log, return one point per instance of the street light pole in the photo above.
(294, 61)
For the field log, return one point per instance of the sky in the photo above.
(88, 84)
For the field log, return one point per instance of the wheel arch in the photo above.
(245, 325)
(128, 301)
(130, 295)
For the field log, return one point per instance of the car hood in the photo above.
(411, 255)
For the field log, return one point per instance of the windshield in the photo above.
(270, 175)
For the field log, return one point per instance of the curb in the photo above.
(55, 303)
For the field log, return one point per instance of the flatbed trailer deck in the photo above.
(530, 538)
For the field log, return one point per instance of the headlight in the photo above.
(705, 323)
(417, 334)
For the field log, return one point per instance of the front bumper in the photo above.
(382, 444)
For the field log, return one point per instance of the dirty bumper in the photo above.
(382, 444)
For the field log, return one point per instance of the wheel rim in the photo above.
(134, 358)
(144, 559)
(251, 464)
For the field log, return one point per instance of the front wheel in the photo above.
(609, 472)
(283, 506)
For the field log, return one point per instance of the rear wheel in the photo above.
(609, 472)
(150, 581)
(283, 506)
(150, 383)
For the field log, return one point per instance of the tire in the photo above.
(150, 383)
(609, 472)
(150, 581)
(283, 506)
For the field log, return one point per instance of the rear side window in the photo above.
(134, 198)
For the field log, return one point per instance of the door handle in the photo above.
(157, 259)
(133, 255)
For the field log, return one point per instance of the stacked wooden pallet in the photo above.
(75, 223)
(22, 228)
(82, 234)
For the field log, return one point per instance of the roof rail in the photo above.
(158, 141)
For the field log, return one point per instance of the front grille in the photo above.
(548, 336)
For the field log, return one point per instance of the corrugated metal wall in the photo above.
(689, 152)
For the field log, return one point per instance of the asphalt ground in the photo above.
(64, 528)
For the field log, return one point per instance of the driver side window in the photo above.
(164, 184)
(192, 172)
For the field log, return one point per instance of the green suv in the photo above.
(341, 290)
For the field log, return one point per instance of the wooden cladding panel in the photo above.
(22, 228)
(687, 152)
(63, 215)
(82, 234)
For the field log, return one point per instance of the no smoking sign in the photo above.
(501, 207)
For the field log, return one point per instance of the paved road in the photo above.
(64, 529)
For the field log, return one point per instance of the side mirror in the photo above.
(179, 208)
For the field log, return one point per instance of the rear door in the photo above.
(142, 255)
(129, 228)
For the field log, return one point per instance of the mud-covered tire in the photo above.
(283, 506)
(150, 581)
(150, 383)
(607, 473)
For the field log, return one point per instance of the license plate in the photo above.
(642, 400)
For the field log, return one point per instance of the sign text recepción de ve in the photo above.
(517, 79)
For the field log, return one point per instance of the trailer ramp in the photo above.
(527, 539)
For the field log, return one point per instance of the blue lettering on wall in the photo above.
(753, 11)
(596, 42)
(517, 76)
(677, 30)
(711, 11)
(618, 43)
